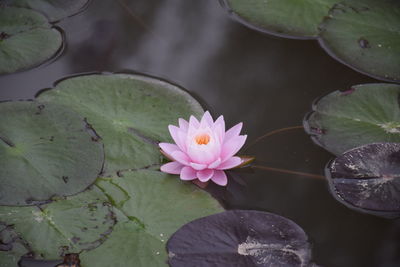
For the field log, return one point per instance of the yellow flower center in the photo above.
(202, 139)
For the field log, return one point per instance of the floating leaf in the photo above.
(77, 223)
(45, 151)
(151, 206)
(364, 34)
(364, 114)
(53, 9)
(367, 179)
(11, 247)
(130, 112)
(26, 39)
(287, 18)
(239, 238)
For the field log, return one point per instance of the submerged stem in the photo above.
(137, 18)
(311, 175)
(272, 133)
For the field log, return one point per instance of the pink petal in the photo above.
(207, 120)
(177, 135)
(215, 164)
(193, 122)
(198, 166)
(183, 125)
(205, 175)
(180, 157)
(219, 178)
(172, 167)
(230, 163)
(219, 128)
(168, 148)
(204, 156)
(234, 131)
(188, 173)
(232, 146)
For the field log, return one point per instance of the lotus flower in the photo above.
(203, 150)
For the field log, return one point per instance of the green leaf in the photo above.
(45, 151)
(26, 39)
(365, 35)
(151, 207)
(69, 225)
(287, 18)
(53, 9)
(364, 114)
(130, 112)
(11, 247)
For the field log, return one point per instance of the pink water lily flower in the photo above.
(203, 150)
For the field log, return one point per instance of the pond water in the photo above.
(265, 81)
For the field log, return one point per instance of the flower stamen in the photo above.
(202, 139)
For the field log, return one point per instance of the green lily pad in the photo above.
(26, 39)
(365, 34)
(287, 18)
(364, 114)
(46, 151)
(53, 9)
(150, 206)
(367, 179)
(71, 225)
(11, 247)
(130, 112)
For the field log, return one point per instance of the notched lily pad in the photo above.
(240, 238)
(53, 9)
(26, 39)
(286, 18)
(367, 179)
(70, 225)
(130, 112)
(363, 114)
(364, 34)
(46, 151)
(150, 206)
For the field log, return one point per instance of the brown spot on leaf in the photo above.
(4, 36)
(364, 43)
(71, 260)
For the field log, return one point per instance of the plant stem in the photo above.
(137, 18)
(316, 176)
(272, 133)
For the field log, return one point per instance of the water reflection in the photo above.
(264, 81)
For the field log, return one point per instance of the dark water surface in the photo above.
(264, 81)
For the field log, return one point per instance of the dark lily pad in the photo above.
(363, 114)
(130, 112)
(46, 151)
(150, 206)
(239, 238)
(53, 9)
(26, 39)
(71, 225)
(367, 179)
(364, 34)
(287, 18)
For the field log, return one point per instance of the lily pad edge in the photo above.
(336, 194)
